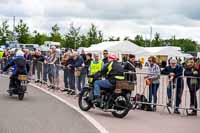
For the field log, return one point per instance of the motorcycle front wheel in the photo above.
(83, 100)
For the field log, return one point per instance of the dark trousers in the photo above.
(193, 96)
(71, 80)
(39, 70)
(179, 91)
(66, 78)
(153, 89)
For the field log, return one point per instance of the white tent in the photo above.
(118, 47)
(169, 51)
(198, 54)
(157, 49)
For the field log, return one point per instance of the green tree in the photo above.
(186, 45)
(138, 40)
(39, 38)
(72, 38)
(23, 33)
(5, 33)
(112, 38)
(55, 34)
(156, 41)
(94, 36)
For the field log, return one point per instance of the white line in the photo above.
(88, 117)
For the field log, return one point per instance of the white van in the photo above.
(49, 44)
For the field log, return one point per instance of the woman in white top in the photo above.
(154, 78)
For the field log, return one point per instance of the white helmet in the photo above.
(19, 53)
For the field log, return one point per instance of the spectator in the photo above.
(5, 58)
(46, 66)
(83, 55)
(84, 69)
(54, 63)
(95, 66)
(130, 67)
(193, 82)
(65, 63)
(154, 78)
(105, 55)
(38, 60)
(27, 55)
(28, 58)
(71, 75)
(77, 66)
(174, 72)
(88, 61)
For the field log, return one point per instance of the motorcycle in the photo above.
(115, 100)
(20, 87)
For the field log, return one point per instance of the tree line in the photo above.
(74, 38)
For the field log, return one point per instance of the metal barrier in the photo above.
(168, 86)
(52, 75)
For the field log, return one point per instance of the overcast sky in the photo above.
(113, 17)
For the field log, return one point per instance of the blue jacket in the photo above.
(19, 65)
(76, 63)
(178, 70)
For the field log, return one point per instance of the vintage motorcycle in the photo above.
(20, 87)
(115, 100)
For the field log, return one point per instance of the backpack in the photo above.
(141, 106)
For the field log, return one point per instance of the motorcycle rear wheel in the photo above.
(121, 106)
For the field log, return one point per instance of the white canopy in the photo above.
(126, 47)
(122, 47)
(169, 51)
(198, 54)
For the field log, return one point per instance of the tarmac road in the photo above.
(38, 113)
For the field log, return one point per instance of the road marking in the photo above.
(88, 117)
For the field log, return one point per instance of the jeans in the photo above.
(56, 74)
(51, 73)
(179, 92)
(153, 89)
(66, 78)
(98, 84)
(169, 90)
(45, 72)
(71, 80)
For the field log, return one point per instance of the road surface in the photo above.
(39, 113)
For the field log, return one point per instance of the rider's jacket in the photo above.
(113, 71)
(19, 65)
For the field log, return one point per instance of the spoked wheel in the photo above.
(83, 101)
(121, 106)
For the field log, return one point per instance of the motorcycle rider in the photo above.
(113, 71)
(19, 67)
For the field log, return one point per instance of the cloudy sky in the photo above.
(113, 17)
